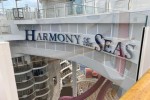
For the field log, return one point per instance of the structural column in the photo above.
(74, 78)
(8, 89)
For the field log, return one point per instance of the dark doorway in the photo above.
(66, 91)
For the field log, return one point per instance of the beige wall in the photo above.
(8, 89)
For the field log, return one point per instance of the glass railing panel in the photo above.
(40, 79)
(23, 77)
(26, 93)
(67, 80)
(47, 13)
(65, 73)
(45, 97)
(69, 9)
(64, 65)
(40, 72)
(41, 86)
(56, 10)
(42, 92)
(25, 84)
(37, 64)
(89, 10)
(31, 97)
(22, 68)
(60, 10)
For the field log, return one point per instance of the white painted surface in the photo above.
(145, 58)
(107, 17)
(8, 90)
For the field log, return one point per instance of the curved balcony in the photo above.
(30, 97)
(22, 68)
(67, 81)
(45, 97)
(64, 62)
(65, 73)
(41, 86)
(24, 77)
(39, 72)
(35, 58)
(39, 64)
(65, 67)
(25, 84)
(42, 92)
(23, 93)
(41, 78)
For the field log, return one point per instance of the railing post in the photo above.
(45, 10)
(55, 11)
(35, 13)
(94, 7)
(38, 12)
(29, 11)
(74, 78)
(106, 6)
(74, 9)
(64, 9)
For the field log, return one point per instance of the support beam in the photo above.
(8, 89)
(74, 78)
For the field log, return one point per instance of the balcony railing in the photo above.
(25, 93)
(41, 78)
(37, 64)
(65, 73)
(66, 81)
(24, 77)
(57, 10)
(42, 92)
(45, 97)
(25, 84)
(22, 68)
(37, 58)
(63, 65)
(41, 86)
(30, 97)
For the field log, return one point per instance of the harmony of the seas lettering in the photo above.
(99, 43)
